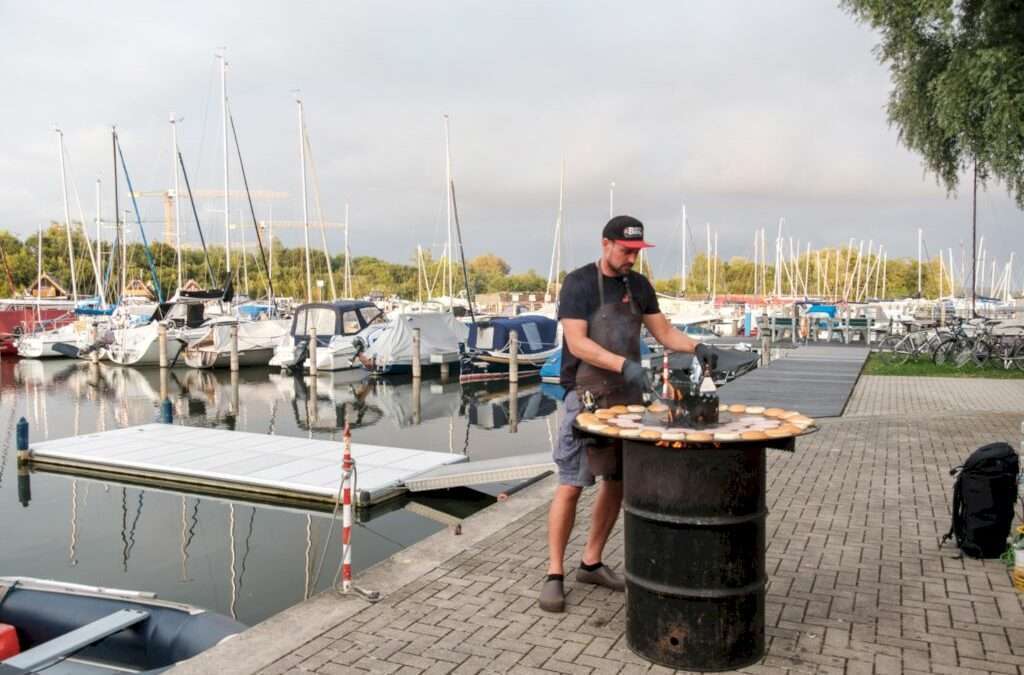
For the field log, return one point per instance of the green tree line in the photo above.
(816, 272)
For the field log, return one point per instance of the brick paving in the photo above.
(857, 583)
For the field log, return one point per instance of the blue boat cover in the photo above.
(536, 334)
(552, 368)
(822, 309)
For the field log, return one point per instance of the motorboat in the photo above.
(58, 628)
(488, 347)
(342, 329)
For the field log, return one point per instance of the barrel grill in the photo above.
(695, 554)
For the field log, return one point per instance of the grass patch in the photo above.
(925, 368)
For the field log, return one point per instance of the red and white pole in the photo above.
(664, 376)
(346, 513)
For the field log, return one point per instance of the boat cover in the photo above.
(251, 334)
(537, 333)
(440, 332)
(552, 368)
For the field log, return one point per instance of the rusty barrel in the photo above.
(695, 550)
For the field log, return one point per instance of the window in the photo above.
(349, 323)
(320, 317)
(371, 314)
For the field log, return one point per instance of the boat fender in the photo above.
(8, 642)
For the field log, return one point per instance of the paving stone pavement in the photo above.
(857, 582)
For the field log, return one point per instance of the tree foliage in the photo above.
(958, 83)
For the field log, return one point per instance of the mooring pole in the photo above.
(234, 348)
(417, 366)
(24, 482)
(513, 358)
(312, 350)
(162, 331)
(166, 411)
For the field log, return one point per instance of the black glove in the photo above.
(636, 375)
(707, 355)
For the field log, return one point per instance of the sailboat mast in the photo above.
(224, 125)
(348, 265)
(99, 245)
(611, 199)
(39, 273)
(682, 258)
(67, 216)
(177, 195)
(556, 249)
(305, 205)
(450, 276)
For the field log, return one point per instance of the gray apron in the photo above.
(616, 327)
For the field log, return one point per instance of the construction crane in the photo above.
(168, 199)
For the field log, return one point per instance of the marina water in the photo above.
(245, 560)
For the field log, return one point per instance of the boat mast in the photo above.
(682, 259)
(919, 240)
(99, 246)
(39, 273)
(611, 199)
(556, 248)
(224, 124)
(450, 275)
(348, 265)
(305, 205)
(177, 194)
(67, 217)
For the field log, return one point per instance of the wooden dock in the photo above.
(815, 379)
(269, 468)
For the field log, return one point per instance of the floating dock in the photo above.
(815, 379)
(268, 468)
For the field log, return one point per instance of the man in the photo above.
(602, 306)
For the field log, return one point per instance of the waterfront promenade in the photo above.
(857, 583)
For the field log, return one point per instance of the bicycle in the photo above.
(898, 349)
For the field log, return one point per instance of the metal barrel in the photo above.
(695, 554)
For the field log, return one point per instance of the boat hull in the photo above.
(494, 366)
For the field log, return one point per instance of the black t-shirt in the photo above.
(579, 299)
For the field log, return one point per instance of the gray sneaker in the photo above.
(552, 596)
(602, 576)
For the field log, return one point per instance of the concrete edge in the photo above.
(279, 635)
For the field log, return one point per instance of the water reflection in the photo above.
(242, 558)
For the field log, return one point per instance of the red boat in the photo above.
(20, 316)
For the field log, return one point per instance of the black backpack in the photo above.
(984, 495)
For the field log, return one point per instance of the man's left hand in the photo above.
(707, 355)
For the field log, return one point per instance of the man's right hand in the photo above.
(636, 375)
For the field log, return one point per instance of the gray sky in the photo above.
(746, 111)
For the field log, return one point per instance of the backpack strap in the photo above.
(956, 526)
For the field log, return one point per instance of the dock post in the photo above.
(416, 383)
(162, 331)
(166, 411)
(312, 350)
(513, 357)
(346, 512)
(796, 323)
(417, 366)
(163, 383)
(22, 440)
(445, 372)
(513, 407)
(234, 348)
(234, 392)
(312, 409)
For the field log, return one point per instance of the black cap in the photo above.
(626, 231)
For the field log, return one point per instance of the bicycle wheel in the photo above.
(964, 353)
(1017, 355)
(895, 350)
(982, 352)
(946, 351)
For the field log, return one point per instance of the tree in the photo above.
(958, 83)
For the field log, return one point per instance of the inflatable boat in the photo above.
(60, 628)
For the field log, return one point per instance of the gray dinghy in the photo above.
(70, 629)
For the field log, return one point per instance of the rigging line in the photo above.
(81, 216)
(142, 231)
(252, 210)
(117, 220)
(319, 209)
(206, 115)
(195, 215)
(248, 547)
(462, 253)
